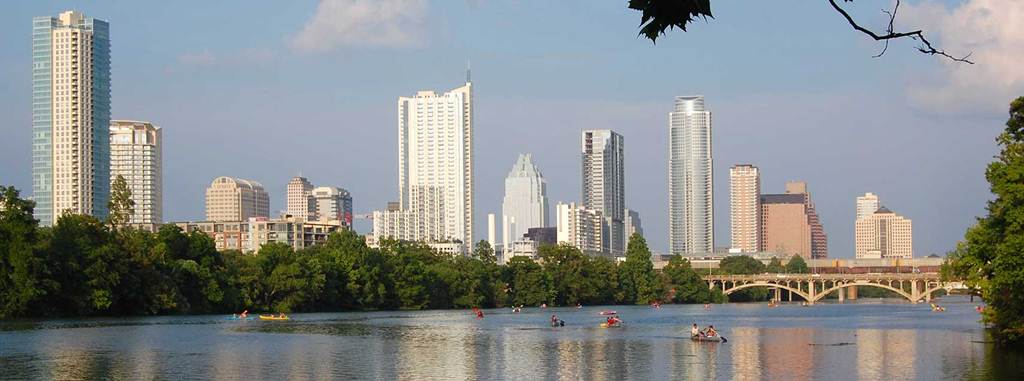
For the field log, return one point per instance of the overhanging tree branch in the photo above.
(917, 35)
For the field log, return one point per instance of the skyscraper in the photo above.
(819, 241)
(884, 234)
(435, 168)
(299, 199)
(745, 207)
(136, 154)
(333, 204)
(526, 199)
(231, 199)
(580, 227)
(790, 224)
(604, 183)
(866, 205)
(690, 180)
(70, 115)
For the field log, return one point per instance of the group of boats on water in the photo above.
(245, 316)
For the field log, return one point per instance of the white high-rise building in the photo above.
(136, 154)
(580, 227)
(604, 183)
(299, 199)
(867, 205)
(70, 116)
(745, 208)
(526, 200)
(690, 178)
(231, 199)
(435, 167)
(333, 204)
(884, 234)
(632, 225)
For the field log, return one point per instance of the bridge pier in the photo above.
(913, 291)
(851, 293)
(811, 290)
(842, 295)
(778, 294)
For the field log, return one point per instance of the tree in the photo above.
(637, 278)
(484, 252)
(775, 266)
(121, 206)
(686, 286)
(527, 283)
(657, 16)
(796, 265)
(741, 265)
(22, 269)
(990, 257)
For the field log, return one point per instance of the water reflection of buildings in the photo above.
(886, 354)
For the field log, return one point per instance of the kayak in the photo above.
(239, 318)
(605, 325)
(713, 339)
(609, 312)
(272, 317)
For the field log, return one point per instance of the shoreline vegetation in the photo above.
(84, 267)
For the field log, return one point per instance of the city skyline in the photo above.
(630, 112)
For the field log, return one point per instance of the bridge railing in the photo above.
(822, 277)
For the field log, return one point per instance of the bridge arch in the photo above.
(769, 285)
(902, 293)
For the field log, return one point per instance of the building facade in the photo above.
(745, 208)
(250, 235)
(690, 178)
(70, 116)
(526, 198)
(136, 153)
(632, 225)
(884, 234)
(333, 204)
(790, 224)
(435, 167)
(580, 227)
(785, 229)
(819, 240)
(299, 201)
(231, 199)
(604, 184)
(867, 205)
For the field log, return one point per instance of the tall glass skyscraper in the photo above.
(526, 201)
(690, 180)
(70, 115)
(604, 183)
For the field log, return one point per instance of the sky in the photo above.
(266, 90)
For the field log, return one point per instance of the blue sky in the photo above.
(263, 90)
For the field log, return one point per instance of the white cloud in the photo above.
(993, 31)
(344, 23)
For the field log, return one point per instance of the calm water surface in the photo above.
(866, 340)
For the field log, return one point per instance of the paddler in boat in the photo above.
(694, 332)
(711, 332)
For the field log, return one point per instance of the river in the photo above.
(863, 340)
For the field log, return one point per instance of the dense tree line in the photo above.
(82, 266)
(990, 259)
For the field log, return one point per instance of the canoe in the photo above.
(713, 339)
(272, 317)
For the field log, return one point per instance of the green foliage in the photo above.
(484, 252)
(741, 265)
(775, 266)
(797, 265)
(82, 267)
(989, 259)
(639, 282)
(121, 206)
(686, 286)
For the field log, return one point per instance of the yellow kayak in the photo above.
(272, 317)
(605, 325)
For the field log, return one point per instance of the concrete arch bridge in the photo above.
(814, 287)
